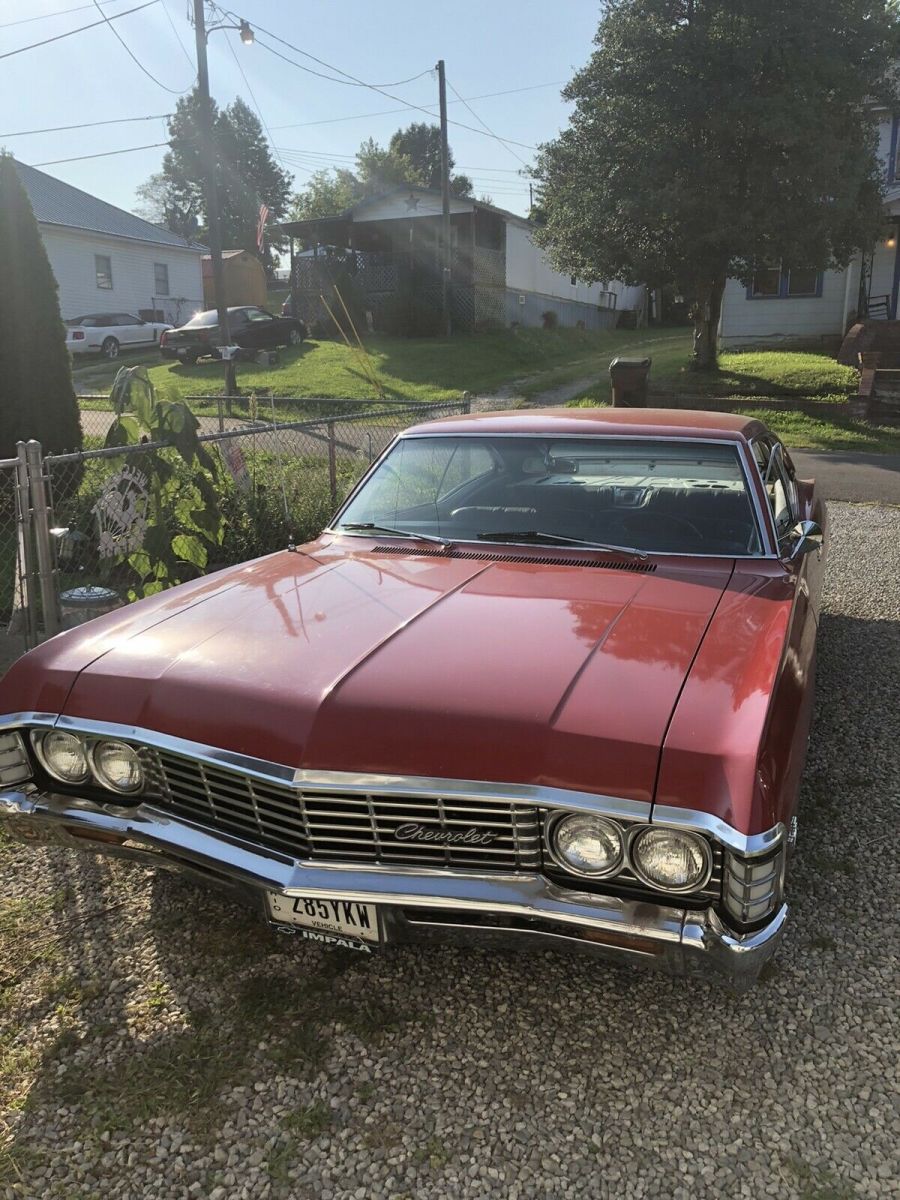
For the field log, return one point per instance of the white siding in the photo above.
(395, 207)
(527, 270)
(71, 254)
(745, 322)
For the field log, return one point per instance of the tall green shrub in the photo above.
(37, 399)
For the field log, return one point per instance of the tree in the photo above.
(421, 145)
(712, 137)
(378, 170)
(159, 204)
(412, 159)
(327, 193)
(37, 399)
(247, 176)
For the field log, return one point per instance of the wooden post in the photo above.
(445, 202)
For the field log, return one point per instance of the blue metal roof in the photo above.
(58, 203)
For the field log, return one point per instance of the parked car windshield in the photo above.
(667, 497)
(204, 318)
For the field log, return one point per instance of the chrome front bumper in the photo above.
(416, 904)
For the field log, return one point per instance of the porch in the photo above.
(392, 269)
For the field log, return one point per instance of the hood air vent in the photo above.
(544, 560)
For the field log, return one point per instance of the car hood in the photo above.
(406, 663)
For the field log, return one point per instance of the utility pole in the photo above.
(208, 154)
(445, 202)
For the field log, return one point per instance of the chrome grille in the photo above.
(348, 826)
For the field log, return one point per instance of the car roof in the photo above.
(607, 422)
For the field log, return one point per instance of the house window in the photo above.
(785, 283)
(573, 279)
(160, 279)
(103, 271)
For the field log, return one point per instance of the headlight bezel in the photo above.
(38, 739)
(697, 839)
(560, 818)
(100, 775)
(93, 776)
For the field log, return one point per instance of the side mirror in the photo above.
(808, 537)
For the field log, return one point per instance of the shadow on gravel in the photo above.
(187, 1003)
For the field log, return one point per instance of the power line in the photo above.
(81, 28)
(103, 154)
(86, 125)
(239, 66)
(387, 112)
(501, 140)
(184, 50)
(371, 86)
(63, 12)
(134, 58)
(349, 80)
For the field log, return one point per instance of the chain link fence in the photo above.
(97, 520)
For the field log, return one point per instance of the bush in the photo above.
(550, 319)
(37, 399)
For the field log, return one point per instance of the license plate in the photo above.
(332, 921)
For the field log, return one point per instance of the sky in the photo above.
(488, 46)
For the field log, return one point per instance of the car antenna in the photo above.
(287, 515)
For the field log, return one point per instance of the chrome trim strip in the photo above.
(747, 845)
(362, 784)
(346, 781)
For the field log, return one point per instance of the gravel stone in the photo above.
(169, 1046)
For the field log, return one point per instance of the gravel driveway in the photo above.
(156, 1042)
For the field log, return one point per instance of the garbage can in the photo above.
(81, 604)
(628, 378)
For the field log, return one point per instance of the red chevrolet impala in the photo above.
(545, 681)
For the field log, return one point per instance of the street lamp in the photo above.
(208, 155)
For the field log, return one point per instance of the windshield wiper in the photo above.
(556, 539)
(370, 526)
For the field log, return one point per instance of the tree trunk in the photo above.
(706, 327)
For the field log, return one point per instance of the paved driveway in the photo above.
(849, 475)
(157, 1043)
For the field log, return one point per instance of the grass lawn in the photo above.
(800, 431)
(422, 369)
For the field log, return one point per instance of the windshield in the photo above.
(204, 318)
(667, 497)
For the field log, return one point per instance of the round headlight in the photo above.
(587, 845)
(63, 755)
(670, 859)
(117, 767)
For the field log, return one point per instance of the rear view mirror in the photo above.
(808, 537)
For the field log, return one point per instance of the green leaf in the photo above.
(190, 549)
(124, 431)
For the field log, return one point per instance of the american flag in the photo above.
(261, 226)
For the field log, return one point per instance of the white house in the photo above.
(107, 260)
(498, 276)
(796, 304)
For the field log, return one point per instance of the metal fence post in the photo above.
(25, 555)
(332, 463)
(221, 413)
(40, 511)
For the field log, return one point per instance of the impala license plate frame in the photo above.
(330, 921)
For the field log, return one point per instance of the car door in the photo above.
(793, 694)
(263, 328)
(129, 329)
